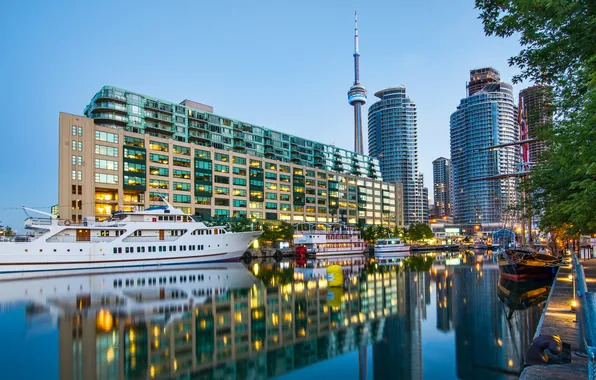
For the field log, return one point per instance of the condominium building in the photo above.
(195, 123)
(483, 191)
(442, 187)
(393, 139)
(537, 101)
(481, 77)
(105, 167)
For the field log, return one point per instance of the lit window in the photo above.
(80, 146)
(74, 174)
(74, 160)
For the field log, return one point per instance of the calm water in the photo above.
(428, 317)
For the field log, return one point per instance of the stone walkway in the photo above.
(558, 319)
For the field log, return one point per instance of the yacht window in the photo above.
(160, 217)
(115, 250)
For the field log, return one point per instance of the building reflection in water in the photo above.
(226, 321)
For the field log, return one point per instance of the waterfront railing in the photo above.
(585, 314)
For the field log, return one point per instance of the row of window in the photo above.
(158, 280)
(159, 248)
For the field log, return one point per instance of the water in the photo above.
(428, 317)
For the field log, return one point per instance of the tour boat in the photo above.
(392, 247)
(522, 264)
(324, 240)
(160, 235)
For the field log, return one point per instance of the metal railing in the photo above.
(585, 314)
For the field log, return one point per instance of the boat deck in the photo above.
(558, 319)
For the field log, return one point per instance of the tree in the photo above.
(8, 232)
(419, 231)
(558, 49)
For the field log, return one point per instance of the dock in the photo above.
(559, 319)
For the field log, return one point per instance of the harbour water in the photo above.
(433, 316)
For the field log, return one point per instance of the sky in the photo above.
(283, 65)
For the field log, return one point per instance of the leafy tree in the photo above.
(8, 232)
(558, 49)
(419, 231)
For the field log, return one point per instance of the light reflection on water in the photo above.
(427, 317)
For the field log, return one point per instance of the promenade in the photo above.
(559, 319)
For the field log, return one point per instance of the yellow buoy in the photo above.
(334, 296)
(335, 275)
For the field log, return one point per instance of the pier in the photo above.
(577, 328)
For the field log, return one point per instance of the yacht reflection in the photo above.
(522, 295)
(218, 321)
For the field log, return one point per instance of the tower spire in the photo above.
(357, 93)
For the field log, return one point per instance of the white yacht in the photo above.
(160, 235)
(392, 247)
(323, 240)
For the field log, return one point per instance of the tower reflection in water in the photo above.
(226, 321)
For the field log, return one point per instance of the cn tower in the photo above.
(357, 94)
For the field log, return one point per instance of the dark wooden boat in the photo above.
(527, 264)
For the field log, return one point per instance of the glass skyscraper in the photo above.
(393, 139)
(483, 193)
(442, 186)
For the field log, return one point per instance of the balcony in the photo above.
(238, 135)
(109, 95)
(158, 117)
(158, 106)
(159, 127)
(108, 106)
(101, 116)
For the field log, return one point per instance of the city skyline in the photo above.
(265, 86)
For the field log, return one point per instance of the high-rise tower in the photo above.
(357, 94)
(481, 77)
(442, 186)
(393, 138)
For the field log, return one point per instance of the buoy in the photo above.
(335, 275)
(334, 296)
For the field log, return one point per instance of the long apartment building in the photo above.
(106, 167)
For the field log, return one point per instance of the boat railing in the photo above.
(585, 314)
(38, 222)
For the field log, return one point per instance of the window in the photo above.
(134, 154)
(298, 171)
(222, 202)
(270, 166)
(255, 164)
(81, 147)
(284, 169)
(135, 168)
(202, 154)
(239, 192)
(310, 173)
(284, 188)
(181, 174)
(272, 176)
(177, 149)
(284, 206)
(284, 197)
(134, 181)
(80, 160)
(239, 203)
(157, 196)
(205, 165)
(74, 145)
(80, 131)
(74, 130)
(221, 168)
(184, 162)
(199, 188)
(106, 137)
(134, 141)
(321, 175)
(270, 206)
(222, 213)
(221, 179)
(74, 160)
(156, 145)
(106, 164)
(163, 172)
(111, 179)
(270, 195)
(203, 200)
(181, 198)
(256, 183)
(106, 150)
(158, 158)
(238, 171)
(221, 157)
(182, 186)
(159, 184)
(256, 204)
(221, 190)
(239, 181)
(238, 160)
(74, 175)
(270, 186)
(284, 178)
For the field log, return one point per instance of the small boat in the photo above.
(160, 235)
(391, 247)
(523, 264)
(328, 239)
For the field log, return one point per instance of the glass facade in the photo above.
(393, 139)
(196, 123)
(485, 119)
(442, 187)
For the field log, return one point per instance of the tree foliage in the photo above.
(8, 232)
(419, 231)
(558, 49)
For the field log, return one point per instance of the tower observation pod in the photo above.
(357, 94)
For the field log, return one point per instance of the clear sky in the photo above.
(284, 65)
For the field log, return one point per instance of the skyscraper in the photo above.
(485, 119)
(393, 139)
(357, 94)
(480, 78)
(442, 186)
(537, 100)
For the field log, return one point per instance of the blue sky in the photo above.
(283, 65)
